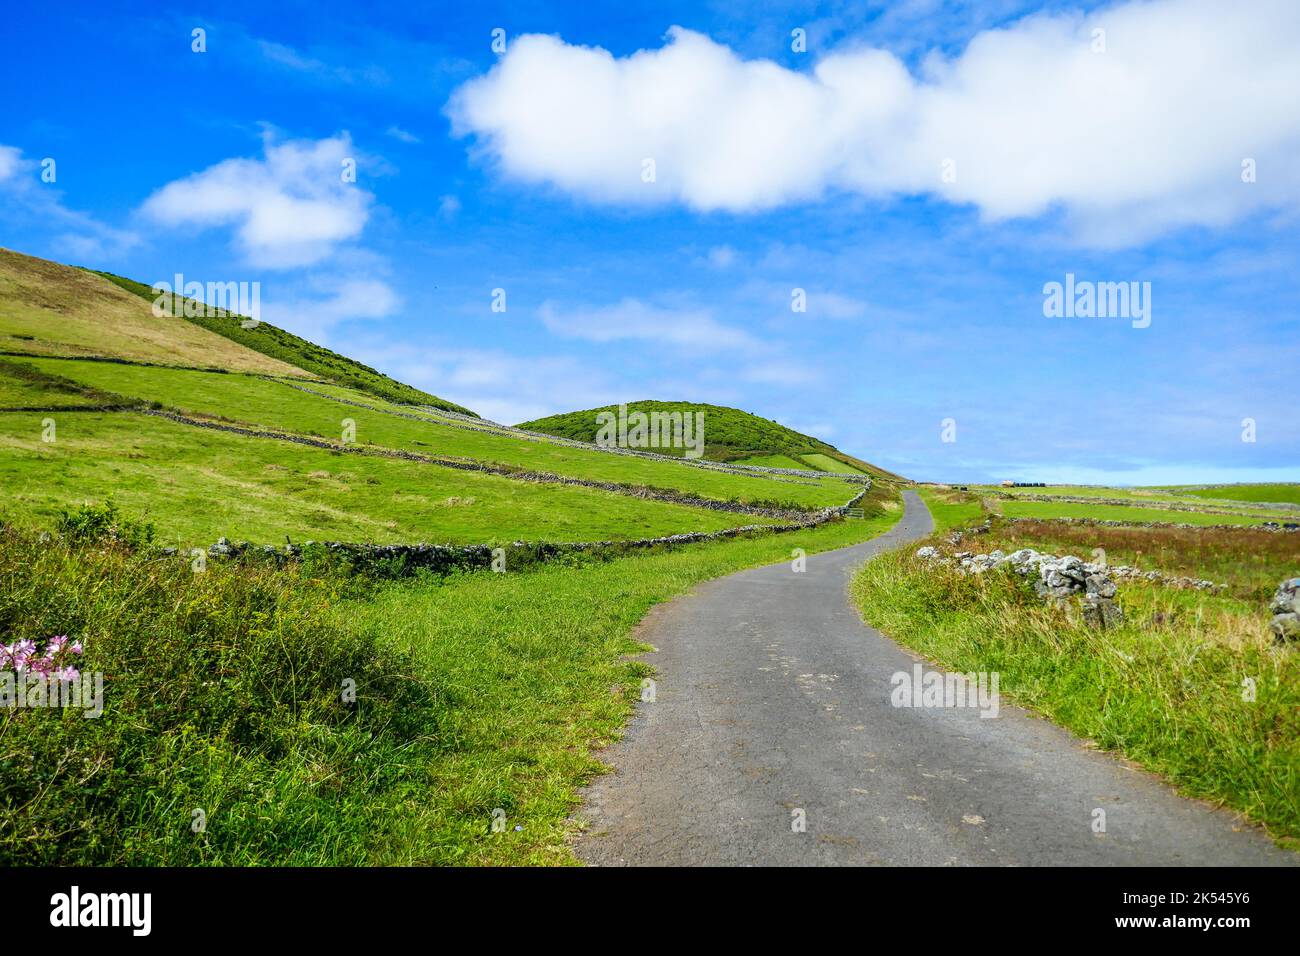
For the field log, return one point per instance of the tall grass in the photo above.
(1251, 561)
(1165, 689)
(222, 694)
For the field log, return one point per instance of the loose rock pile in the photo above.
(1053, 579)
(1286, 611)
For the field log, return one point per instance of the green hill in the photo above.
(293, 350)
(48, 308)
(730, 435)
(293, 406)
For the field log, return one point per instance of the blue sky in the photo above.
(776, 170)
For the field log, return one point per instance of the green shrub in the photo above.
(103, 524)
(223, 693)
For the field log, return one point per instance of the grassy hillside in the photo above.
(52, 309)
(823, 462)
(295, 351)
(773, 461)
(277, 406)
(730, 435)
(24, 386)
(196, 485)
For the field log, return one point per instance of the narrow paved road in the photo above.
(773, 698)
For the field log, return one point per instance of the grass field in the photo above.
(774, 461)
(475, 692)
(1083, 491)
(1102, 512)
(21, 387)
(1280, 493)
(277, 406)
(827, 463)
(952, 509)
(1226, 496)
(197, 484)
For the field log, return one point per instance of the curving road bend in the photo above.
(772, 704)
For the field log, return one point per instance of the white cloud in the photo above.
(316, 304)
(448, 207)
(722, 257)
(835, 306)
(289, 209)
(362, 299)
(630, 319)
(1146, 136)
(780, 373)
(286, 56)
(10, 162)
(402, 136)
(489, 381)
